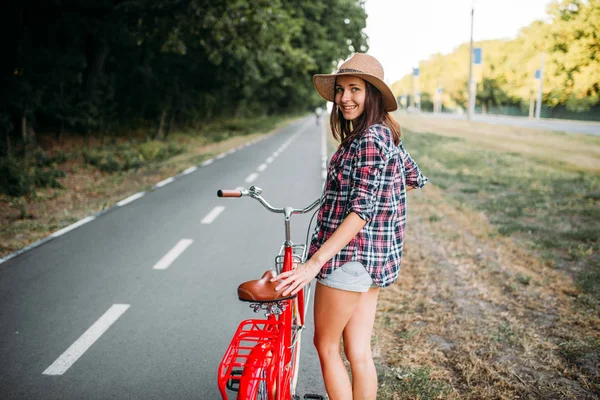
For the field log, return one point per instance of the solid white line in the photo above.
(189, 170)
(210, 217)
(172, 255)
(130, 199)
(207, 162)
(262, 167)
(221, 156)
(165, 182)
(85, 341)
(251, 177)
(72, 226)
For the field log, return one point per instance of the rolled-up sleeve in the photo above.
(412, 173)
(367, 169)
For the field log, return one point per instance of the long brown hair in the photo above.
(345, 131)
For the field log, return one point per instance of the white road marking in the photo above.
(85, 341)
(262, 167)
(172, 255)
(221, 156)
(251, 177)
(276, 154)
(189, 170)
(211, 216)
(73, 226)
(270, 160)
(165, 182)
(130, 199)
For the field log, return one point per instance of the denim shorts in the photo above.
(351, 276)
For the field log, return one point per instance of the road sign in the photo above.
(416, 71)
(477, 55)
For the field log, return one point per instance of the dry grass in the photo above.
(577, 151)
(477, 314)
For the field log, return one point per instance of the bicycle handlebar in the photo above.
(229, 193)
(255, 192)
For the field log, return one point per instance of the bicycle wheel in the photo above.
(262, 391)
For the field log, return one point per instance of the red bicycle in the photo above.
(262, 360)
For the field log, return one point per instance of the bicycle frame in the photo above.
(261, 361)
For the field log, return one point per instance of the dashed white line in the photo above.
(210, 217)
(72, 226)
(172, 255)
(262, 167)
(189, 170)
(270, 160)
(130, 199)
(165, 182)
(251, 177)
(85, 341)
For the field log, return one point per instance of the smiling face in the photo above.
(350, 93)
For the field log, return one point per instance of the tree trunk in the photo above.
(8, 148)
(95, 55)
(160, 133)
(60, 131)
(28, 134)
(171, 124)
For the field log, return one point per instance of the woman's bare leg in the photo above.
(357, 346)
(333, 310)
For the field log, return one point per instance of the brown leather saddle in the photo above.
(262, 290)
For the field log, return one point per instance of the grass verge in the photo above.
(497, 298)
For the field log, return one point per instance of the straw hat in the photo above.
(363, 66)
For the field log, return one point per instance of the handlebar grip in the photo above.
(229, 193)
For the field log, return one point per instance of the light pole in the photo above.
(471, 91)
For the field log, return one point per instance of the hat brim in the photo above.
(325, 85)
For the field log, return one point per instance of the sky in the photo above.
(402, 32)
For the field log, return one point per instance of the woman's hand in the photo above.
(293, 281)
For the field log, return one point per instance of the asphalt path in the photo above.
(141, 302)
(561, 125)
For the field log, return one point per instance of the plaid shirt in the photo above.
(368, 176)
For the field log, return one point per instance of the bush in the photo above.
(43, 160)
(47, 178)
(14, 179)
(125, 157)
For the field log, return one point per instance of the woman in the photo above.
(357, 244)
